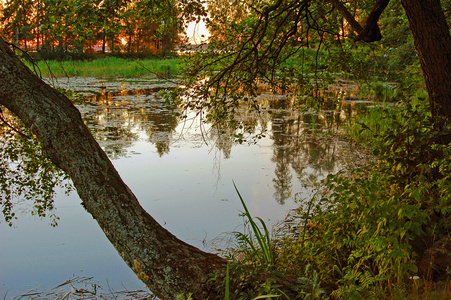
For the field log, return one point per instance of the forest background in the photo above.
(74, 29)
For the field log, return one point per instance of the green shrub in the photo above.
(371, 227)
(362, 233)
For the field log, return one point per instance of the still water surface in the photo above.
(182, 174)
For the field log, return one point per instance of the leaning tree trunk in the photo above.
(168, 266)
(433, 43)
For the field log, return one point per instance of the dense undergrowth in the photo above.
(363, 234)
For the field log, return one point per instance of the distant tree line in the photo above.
(84, 26)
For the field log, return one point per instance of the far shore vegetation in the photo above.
(110, 67)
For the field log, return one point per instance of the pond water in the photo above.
(181, 172)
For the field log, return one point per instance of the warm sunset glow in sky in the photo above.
(197, 33)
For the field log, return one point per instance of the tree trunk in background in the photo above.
(172, 266)
(433, 43)
(103, 41)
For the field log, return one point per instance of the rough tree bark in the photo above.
(433, 44)
(172, 266)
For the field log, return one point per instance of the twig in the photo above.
(38, 71)
(156, 74)
(12, 127)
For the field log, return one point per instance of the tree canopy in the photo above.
(78, 26)
(266, 41)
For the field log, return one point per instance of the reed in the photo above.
(109, 67)
(367, 125)
(260, 241)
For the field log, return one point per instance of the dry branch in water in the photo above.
(84, 288)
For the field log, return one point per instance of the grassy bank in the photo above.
(110, 67)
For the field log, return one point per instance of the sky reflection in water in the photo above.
(182, 176)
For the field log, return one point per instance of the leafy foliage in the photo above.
(418, 157)
(362, 233)
(297, 48)
(65, 29)
(373, 225)
(26, 174)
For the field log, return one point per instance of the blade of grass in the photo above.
(264, 241)
(227, 288)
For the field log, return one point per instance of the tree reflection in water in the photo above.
(120, 114)
(128, 119)
(119, 118)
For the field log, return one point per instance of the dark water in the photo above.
(181, 171)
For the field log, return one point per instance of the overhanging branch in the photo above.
(371, 32)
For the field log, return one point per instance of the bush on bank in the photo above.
(365, 234)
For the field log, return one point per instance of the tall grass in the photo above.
(260, 275)
(260, 242)
(110, 67)
(377, 119)
(364, 127)
(227, 282)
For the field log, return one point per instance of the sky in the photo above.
(197, 33)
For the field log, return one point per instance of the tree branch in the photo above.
(371, 32)
(347, 15)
